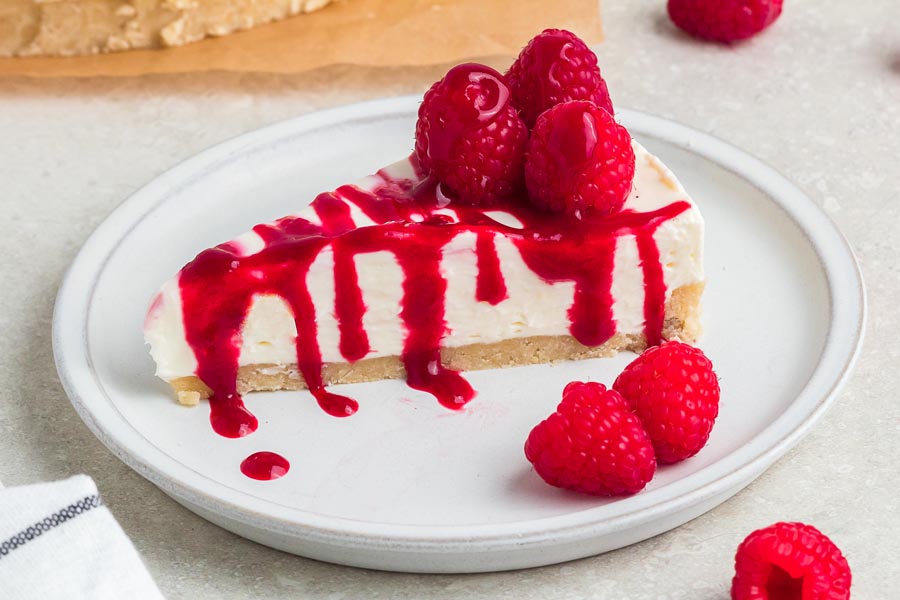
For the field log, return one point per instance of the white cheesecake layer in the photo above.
(534, 307)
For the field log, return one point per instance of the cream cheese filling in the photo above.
(533, 307)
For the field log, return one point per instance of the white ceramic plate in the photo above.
(406, 484)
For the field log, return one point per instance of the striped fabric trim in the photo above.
(45, 525)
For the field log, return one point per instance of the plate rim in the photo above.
(843, 343)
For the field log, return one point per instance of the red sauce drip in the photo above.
(265, 466)
(424, 291)
(292, 245)
(229, 417)
(587, 261)
(334, 214)
(336, 219)
(490, 286)
(212, 337)
(654, 285)
(219, 285)
(418, 247)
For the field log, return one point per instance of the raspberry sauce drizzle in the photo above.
(589, 263)
(412, 222)
(295, 244)
(335, 216)
(211, 336)
(489, 286)
(418, 253)
(654, 285)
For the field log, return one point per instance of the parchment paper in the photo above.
(360, 32)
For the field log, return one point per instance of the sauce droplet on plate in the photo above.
(265, 466)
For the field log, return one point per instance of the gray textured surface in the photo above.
(818, 97)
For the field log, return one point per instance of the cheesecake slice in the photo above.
(388, 279)
(72, 27)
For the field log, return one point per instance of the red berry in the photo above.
(675, 392)
(724, 20)
(593, 444)
(470, 137)
(556, 66)
(579, 159)
(790, 561)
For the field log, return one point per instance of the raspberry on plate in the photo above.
(579, 160)
(556, 66)
(724, 20)
(470, 137)
(593, 443)
(675, 392)
(790, 561)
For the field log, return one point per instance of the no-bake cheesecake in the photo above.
(414, 273)
(382, 280)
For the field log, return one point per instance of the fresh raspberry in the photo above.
(593, 443)
(579, 159)
(674, 391)
(790, 561)
(724, 20)
(470, 137)
(556, 66)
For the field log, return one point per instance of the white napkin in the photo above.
(58, 540)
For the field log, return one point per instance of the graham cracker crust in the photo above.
(682, 322)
